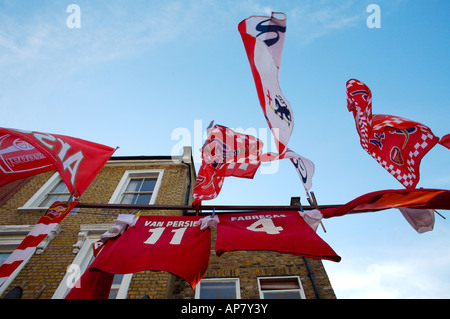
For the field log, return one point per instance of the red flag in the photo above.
(52, 217)
(27, 153)
(395, 143)
(445, 141)
(225, 153)
(284, 232)
(160, 243)
(385, 199)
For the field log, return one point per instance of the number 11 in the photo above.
(157, 232)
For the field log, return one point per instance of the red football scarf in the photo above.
(52, 217)
(160, 243)
(284, 232)
(395, 143)
(394, 198)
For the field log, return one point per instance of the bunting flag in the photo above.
(397, 144)
(225, 153)
(385, 199)
(159, 243)
(303, 166)
(263, 39)
(445, 141)
(27, 153)
(284, 232)
(52, 217)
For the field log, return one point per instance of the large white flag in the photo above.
(263, 39)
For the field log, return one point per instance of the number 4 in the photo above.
(265, 225)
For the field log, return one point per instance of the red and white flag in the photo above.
(395, 143)
(225, 153)
(393, 198)
(263, 39)
(52, 217)
(27, 153)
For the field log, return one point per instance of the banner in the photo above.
(397, 144)
(284, 232)
(159, 243)
(52, 217)
(394, 198)
(27, 153)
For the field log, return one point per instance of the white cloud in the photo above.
(419, 271)
(312, 20)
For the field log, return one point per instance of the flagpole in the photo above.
(200, 208)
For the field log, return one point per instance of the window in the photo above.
(53, 190)
(58, 193)
(139, 191)
(138, 187)
(281, 288)
(10, 237)
(223, 288)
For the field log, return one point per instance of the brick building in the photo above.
(159, 180)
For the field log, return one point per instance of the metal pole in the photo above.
(200, 208)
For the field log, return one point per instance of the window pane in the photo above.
(3, 257)
(282, 294)
(217, 290)
(134, 185)
(128, 199)
(113, 293)
(279, 283)
(117, 279)
(148, 185)
(143, 199)
(50, 199)
(60, 188)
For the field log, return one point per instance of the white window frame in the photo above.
(235, 280)
(158, 173)
(39, 196)
(88, 236)
(300, 289)
(10, 237)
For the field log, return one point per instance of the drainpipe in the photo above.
(311, 275)
(187, 160)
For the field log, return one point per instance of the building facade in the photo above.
(161, 180)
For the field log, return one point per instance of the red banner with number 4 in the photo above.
(284, 232)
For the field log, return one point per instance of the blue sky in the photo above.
(149, 76)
